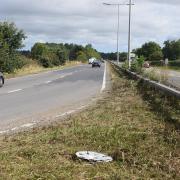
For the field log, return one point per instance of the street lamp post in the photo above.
(129, 36)
(129, 32)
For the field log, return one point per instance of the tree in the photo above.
(91, 52)
(156, 56)
(123, 56)
(10, 36)
(149, 50)
(81, 56)
(171, 49)
(62, 56)
(73, 52)
(11, 39)
(38, 50)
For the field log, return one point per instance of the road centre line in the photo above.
(13, 91)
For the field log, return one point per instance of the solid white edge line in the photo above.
(16, 90)
(104, 79)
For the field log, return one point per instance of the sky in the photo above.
(90, 22)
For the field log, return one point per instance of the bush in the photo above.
(141, 61)
(125, 65)
(45, 62)
(9, 62)
(135, 67)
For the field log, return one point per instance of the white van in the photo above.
(91, 60)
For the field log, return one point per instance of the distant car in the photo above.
(96, 64)
(146, 65)
(1, 79)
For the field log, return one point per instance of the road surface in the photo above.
(174, 78)
(26, 101)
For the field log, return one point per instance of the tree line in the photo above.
(46, 54)
(152, 51)
(53, 54)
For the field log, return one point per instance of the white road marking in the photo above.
(2, 132)
(70, 112)
(13, 91)
(104, 79)
(15, 128)
(27, 125)
(65, 114)
(47, 82)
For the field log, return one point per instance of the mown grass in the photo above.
(122, 124)
(33, 67)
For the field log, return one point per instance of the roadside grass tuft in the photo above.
(123, 124)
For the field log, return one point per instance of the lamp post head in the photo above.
(107, 4)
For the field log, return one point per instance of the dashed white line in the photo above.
(47, 82)
(13, 91)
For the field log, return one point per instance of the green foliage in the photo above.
(174, 63)
(123, 56)
(156, 56)
(113, 56)
(9, 62)
(125, 65)
(10, 36)
(52, 54)
(10, 41)
(135, 67)
(140, 61)
(38, 50)
(151, 51)
(171, 49)
(62, 57)
(90, 52)
(81, 56)
(49, 54)
(45, 62)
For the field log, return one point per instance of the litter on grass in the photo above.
(93, 156)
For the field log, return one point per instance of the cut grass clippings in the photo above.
(122, 125)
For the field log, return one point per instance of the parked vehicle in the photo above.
(146, 65)
(96, 64)
(1, 79)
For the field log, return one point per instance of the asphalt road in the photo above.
(174, 78)
(26, 100)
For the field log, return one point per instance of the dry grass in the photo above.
(33, 67)
(156, 74)
(123, 125)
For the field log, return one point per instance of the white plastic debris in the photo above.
(93, 156)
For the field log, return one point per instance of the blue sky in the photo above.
(88, 21)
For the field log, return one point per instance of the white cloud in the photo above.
(88, 21)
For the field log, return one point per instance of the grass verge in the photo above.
(34, 68)
(123, 124)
